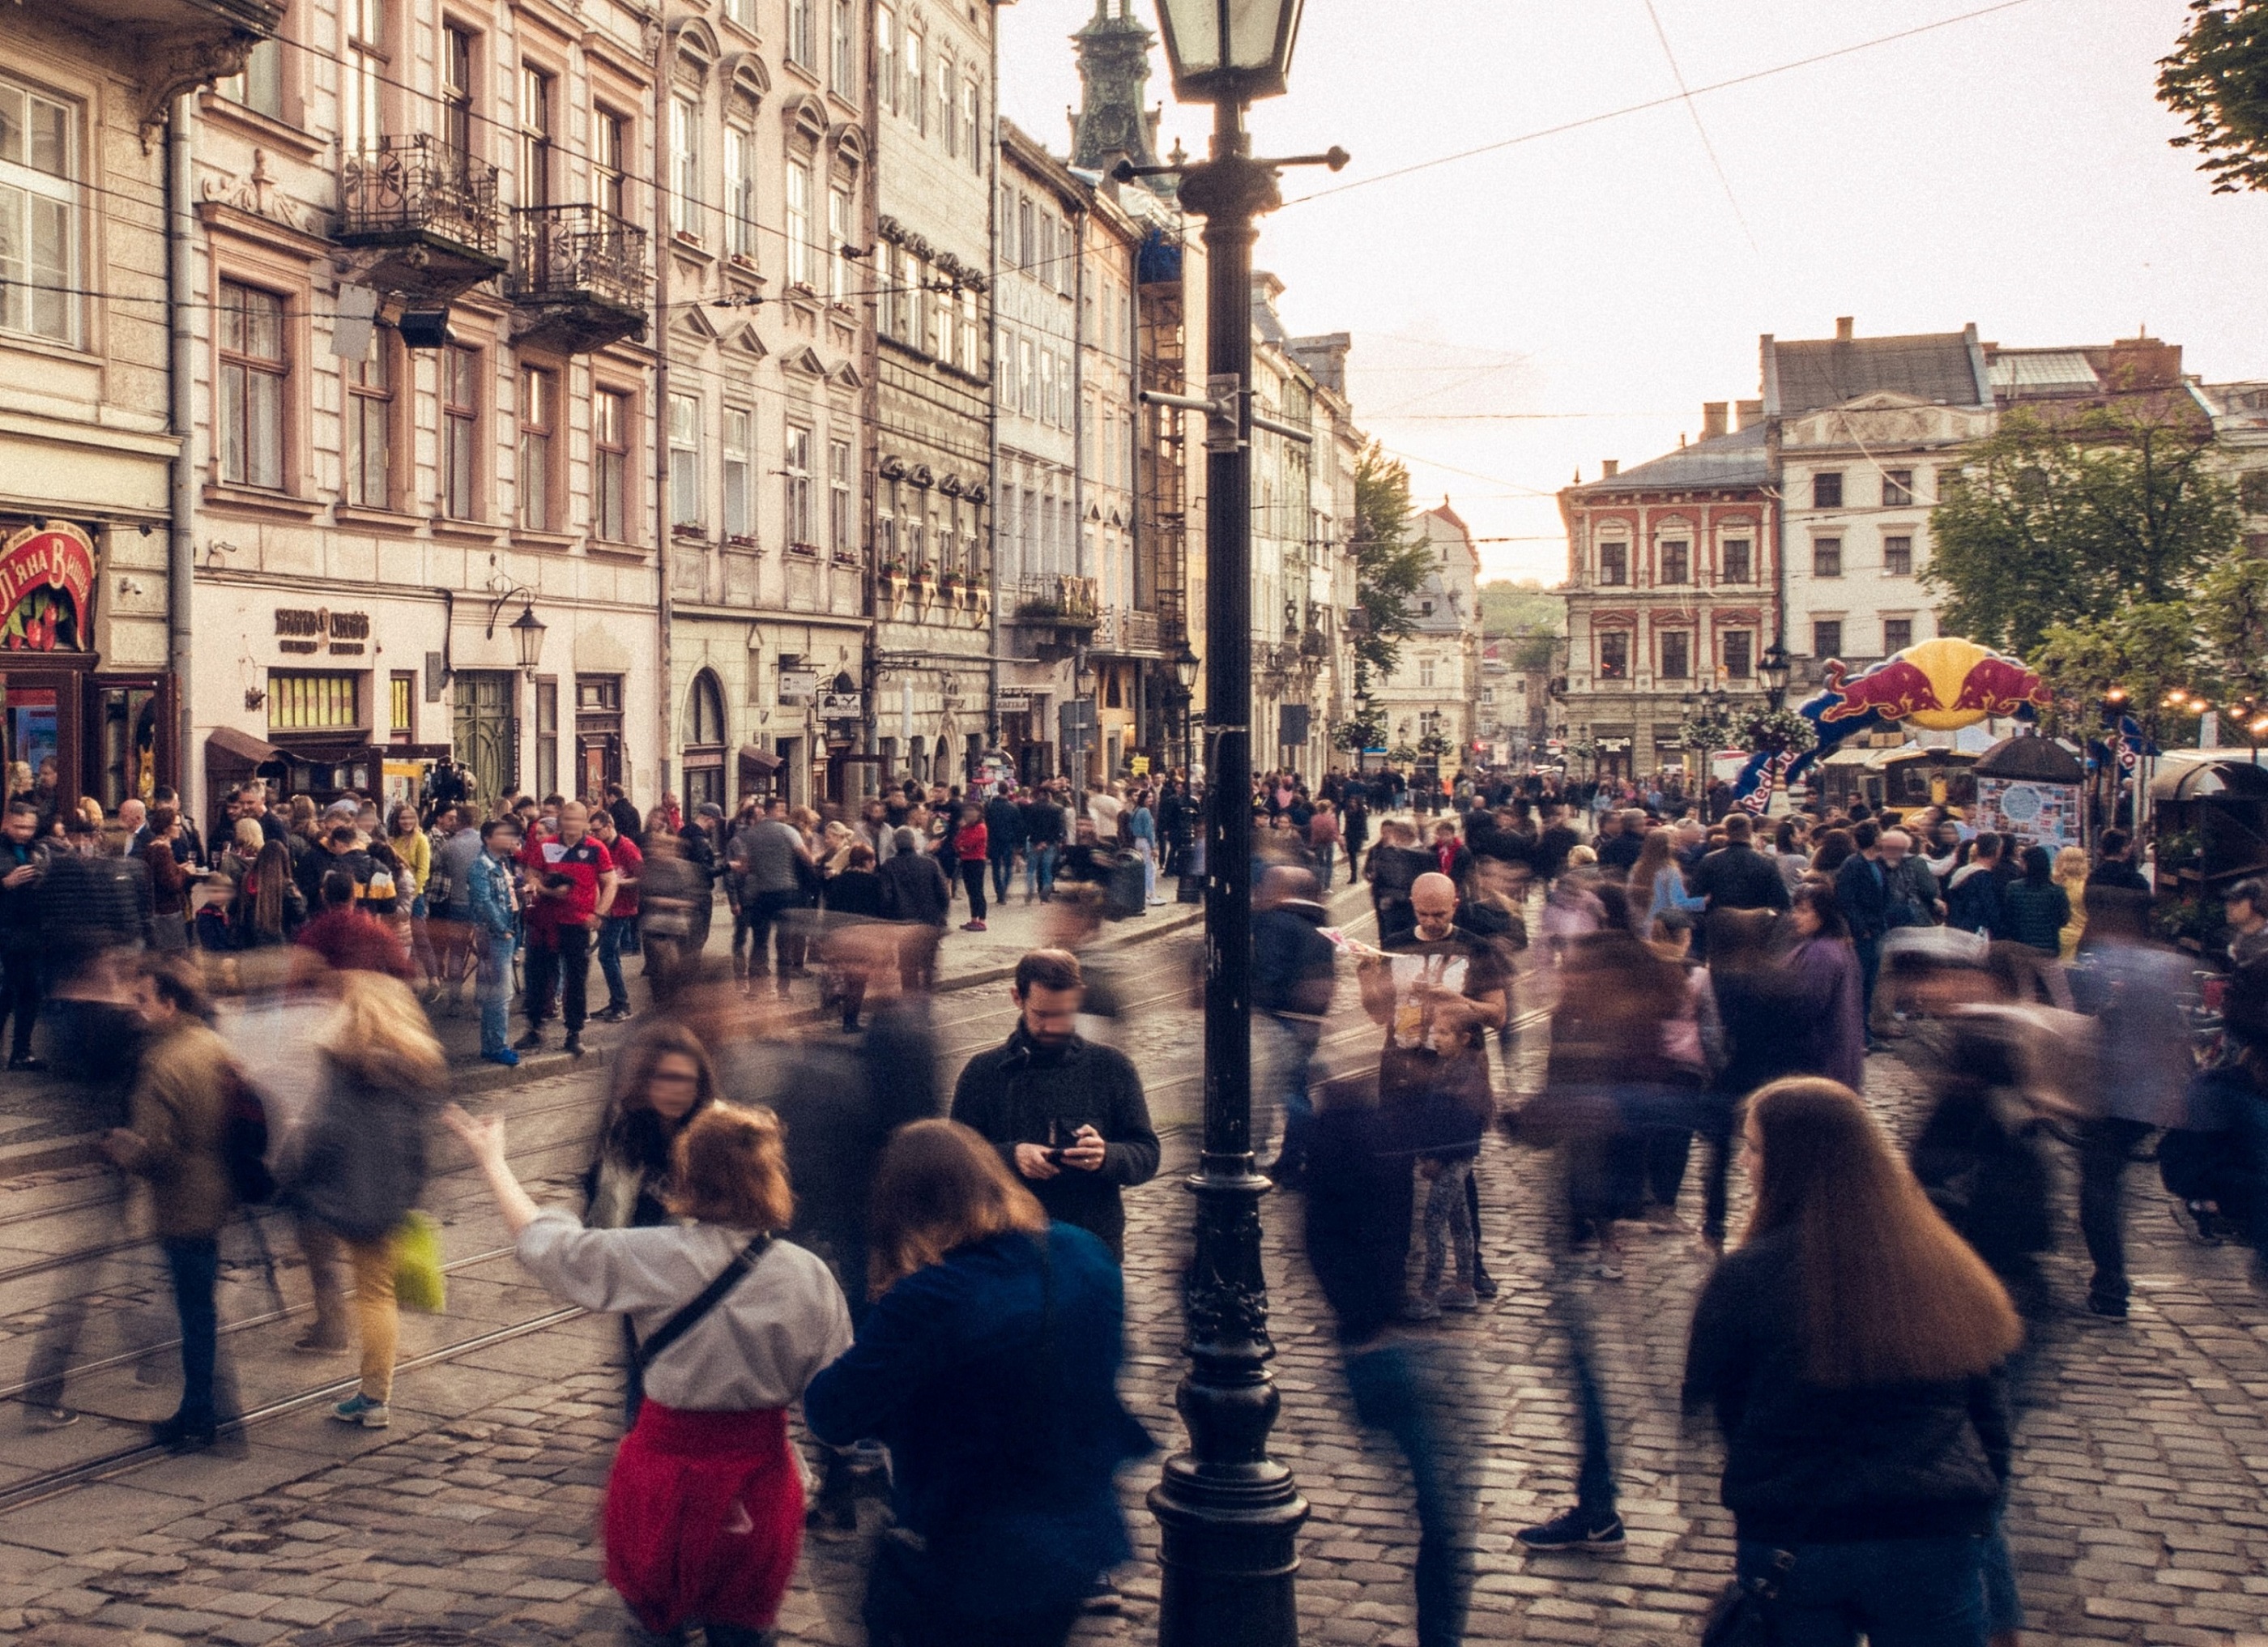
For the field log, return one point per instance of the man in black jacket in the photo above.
(1737, 876)
(22, 859)
(1294, 968)
(1004, 835)
(1068, 1116)
(916, 894)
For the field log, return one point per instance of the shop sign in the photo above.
(851, 704)
(1012, 702)
(47, 581)
(345, 634)
(798, 686)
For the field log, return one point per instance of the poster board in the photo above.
(2036, 814)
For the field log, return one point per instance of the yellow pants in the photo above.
(377, 1321)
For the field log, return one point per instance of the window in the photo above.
(461, 422)
(252, 383)
(742, 12)
(39, 210)
(536, 88)
(740, 474)
(1740, 649)
(970, 125)
(842, 61)
(802, 38)
(1738, 567)
(2252, 492)
(610, 436)
(609, 140)
(1027, 379)
(740, 193)
(457, 90)
(940, 324)
(1676, 655)
(798, 224)
(1897, 488)
(948, 119)
(1425, 671)
(362, 72)
(1827, 490)
(1007, 376)
(1676, 562)
(1826, 637)
(886, 57)
(684, 460)
(1614, 563)
(1827, 557)
(546, 735)
(1948, 481)
(1898, 556)
(1047, 386)
(685, 166)
(917, 104)
(1027, 239)
(312, 700)
(1897, 634)
(797, 464)
(260, 88)
(401, 705)
(370, 426)
(841, 534)
(839, 237)
(1614, 655)
(539, 413)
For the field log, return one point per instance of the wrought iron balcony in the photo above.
(429, 210)
(1057, 600)
(581, 276)
(1124, 629)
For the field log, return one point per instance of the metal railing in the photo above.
(418, 185)
(1058, 598)
(561, 254)
(1125, 629)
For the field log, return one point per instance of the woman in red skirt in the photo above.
(704, 1509)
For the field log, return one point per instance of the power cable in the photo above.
(1694, 109)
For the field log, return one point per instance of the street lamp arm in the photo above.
(496, 608)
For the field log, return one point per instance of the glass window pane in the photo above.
(50, 134)
(12, 100)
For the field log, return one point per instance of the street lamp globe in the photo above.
(1186, 665)
(1773, 668)
(527, 635)
(1229, 50)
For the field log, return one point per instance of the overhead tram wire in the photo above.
(1693, 108)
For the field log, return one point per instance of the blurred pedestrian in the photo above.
(704, 1506)
(348, 936)
(1004, 836)
(972, 850)
(493, 900)
(618, 926)
(570, 882)
(1830, 1020)
(22, 859)
(1294, 971)
(916, 894)
(1849, 1348)
(1004, 1448)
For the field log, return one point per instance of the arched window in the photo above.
(704, 742)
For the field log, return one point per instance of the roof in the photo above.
(1446, 514)
(2032, 759)
(1738, 458)
(1938, 368)
(2021, 372)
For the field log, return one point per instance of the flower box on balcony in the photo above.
(692, 529)
(804, 551)
(846, 557)
(740, 540)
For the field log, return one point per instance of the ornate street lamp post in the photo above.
(1774, 668)
(1229, 1514)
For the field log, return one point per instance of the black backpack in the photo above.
(244, 1143)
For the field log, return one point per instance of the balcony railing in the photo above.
(1059, 599)
(1125, 629)
(585, 269)
(401, 188)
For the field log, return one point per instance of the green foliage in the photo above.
(1534, 651)
(2232, 614)
(1390, 563)
(2217, 79)
(1525, 608)
(2147, 650)
(2071, 522)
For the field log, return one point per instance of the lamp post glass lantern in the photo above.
(1229, 1514)
(1773, 668)
(527, 636)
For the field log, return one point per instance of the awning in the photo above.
(762, 760)
(244, 747)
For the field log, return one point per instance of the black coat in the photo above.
(1293, 965)
(1740, 877)
(1019, 1093)
(1805, 1463)
(914, 888)
(1003, 826)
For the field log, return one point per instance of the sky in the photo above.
(1522, 315)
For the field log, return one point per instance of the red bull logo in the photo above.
(1939, 685)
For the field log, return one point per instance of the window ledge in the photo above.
(251, 500)
(267, 127)
(383, 520)
(464, 531)
(687, 246)
(555, 543)
(617, 551)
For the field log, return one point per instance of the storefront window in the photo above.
(308, 701)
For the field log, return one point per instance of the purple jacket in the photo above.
(1830, 1005)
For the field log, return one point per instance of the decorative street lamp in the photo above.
(1229, 1514)
(527, 635)
(1773, 667)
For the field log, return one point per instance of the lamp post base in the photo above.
(1228, 1548)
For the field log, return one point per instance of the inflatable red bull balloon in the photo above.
(1938, 684)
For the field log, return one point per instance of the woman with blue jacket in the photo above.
(988, 1364)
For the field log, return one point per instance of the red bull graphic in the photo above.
(1938, 684)
(1893, 688)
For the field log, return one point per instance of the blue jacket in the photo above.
(1863, 892)
(492, 896)
(993, 1378)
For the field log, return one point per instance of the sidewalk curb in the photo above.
(476, 1075)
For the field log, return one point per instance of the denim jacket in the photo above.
(494, 894)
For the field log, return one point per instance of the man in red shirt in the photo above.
(620, 921)
(571, 883)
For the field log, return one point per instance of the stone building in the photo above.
(425, 402)
(937, 170)
(1431, 700)
(1672, 572)
(95, 623)
(771, 318)
(1869, 431)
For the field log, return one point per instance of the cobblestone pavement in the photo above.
(2137, 1516)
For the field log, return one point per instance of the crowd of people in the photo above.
(784, 1214)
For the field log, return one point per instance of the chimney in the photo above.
(1611, 468)
(1746, 412)
(1712, 419)
(1842, 325)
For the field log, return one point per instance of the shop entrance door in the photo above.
(485, 741)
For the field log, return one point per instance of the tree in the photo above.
(2065, 522)
(1525, 608)
(1389, 561)
(2217, 79)
(2232, 616)
(2147, 650)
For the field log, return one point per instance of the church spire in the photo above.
(1113, 70)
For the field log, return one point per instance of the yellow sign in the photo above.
(1141, 766)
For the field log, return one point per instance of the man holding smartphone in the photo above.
(1066, 1114)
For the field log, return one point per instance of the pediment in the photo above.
(744, 339)
(693, 321)
(806, 359)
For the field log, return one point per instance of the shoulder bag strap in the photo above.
(709, 1297)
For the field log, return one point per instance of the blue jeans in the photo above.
(1394, 1392)
(612, 929)
(1040, 870)
(1003, 871)
(195, 1261)
(492, 986)
(1899, 1592)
